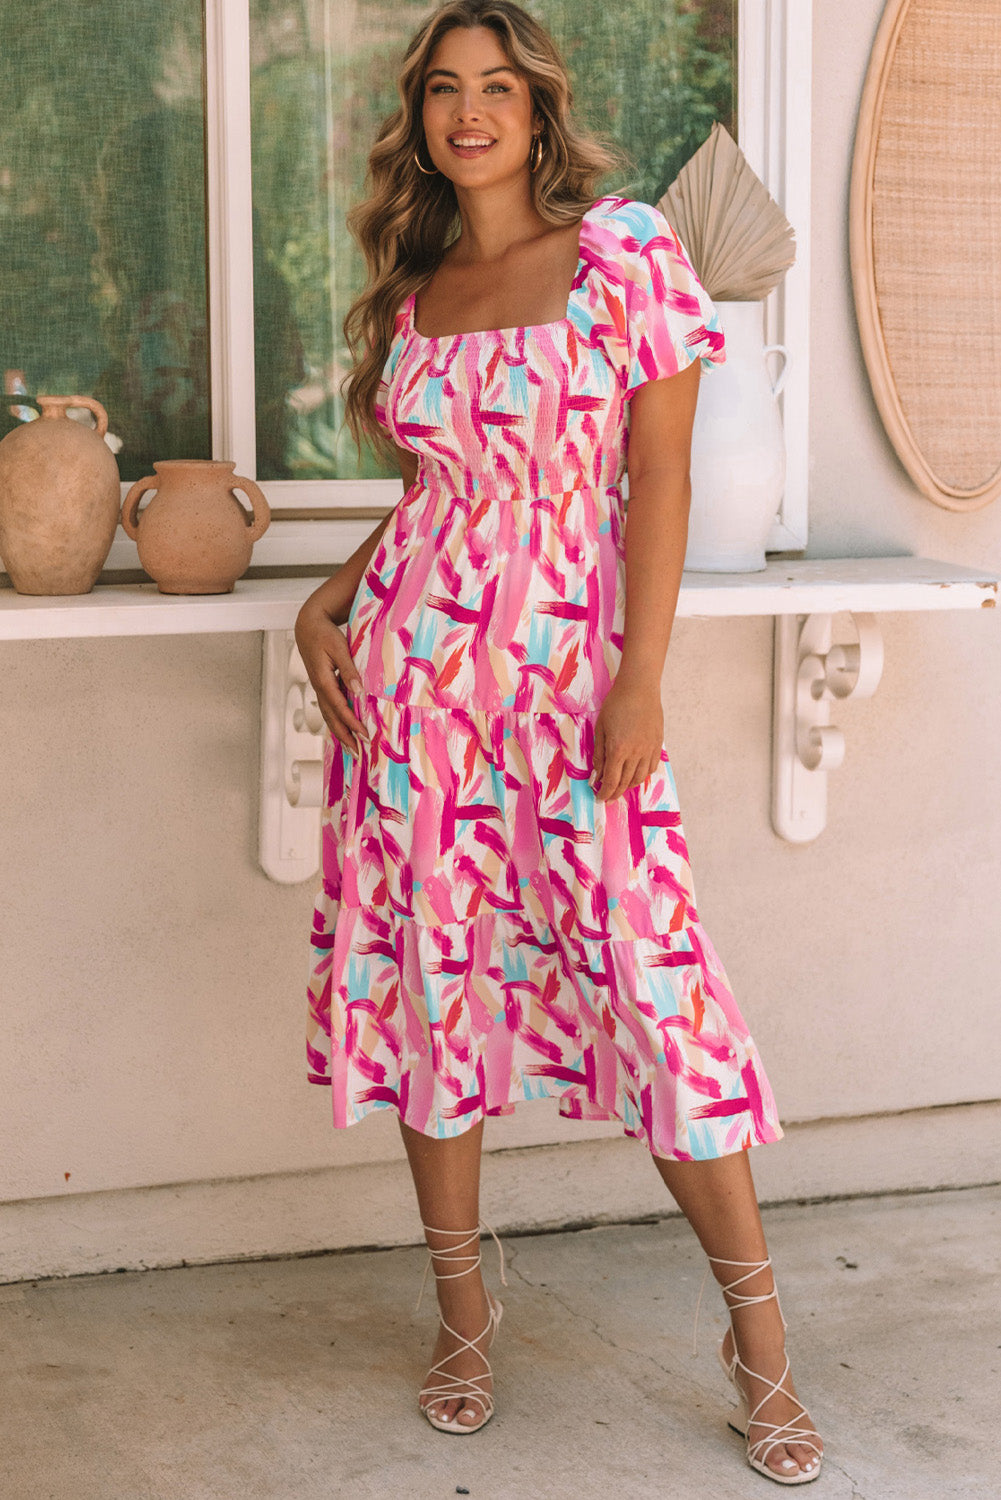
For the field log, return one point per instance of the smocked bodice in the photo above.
(513, 413)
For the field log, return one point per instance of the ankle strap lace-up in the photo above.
(455, 1253)
(740, 1299)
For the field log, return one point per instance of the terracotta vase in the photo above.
(194, 537)
(60, 495)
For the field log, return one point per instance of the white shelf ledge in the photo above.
(829, 585)
(819, 660)
(139, 609)
(812, 586)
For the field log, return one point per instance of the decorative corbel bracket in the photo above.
(291, 764)
(812, 670)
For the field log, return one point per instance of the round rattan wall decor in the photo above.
(925, 227)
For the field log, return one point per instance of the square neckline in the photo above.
(438, 338)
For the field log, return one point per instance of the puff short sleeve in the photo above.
(669, 318)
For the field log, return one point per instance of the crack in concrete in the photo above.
(829, 1464)
(692, 1378)
(604, 1338)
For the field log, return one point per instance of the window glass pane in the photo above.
(652, 75)
(102, 216)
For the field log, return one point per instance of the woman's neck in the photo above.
(493, 221)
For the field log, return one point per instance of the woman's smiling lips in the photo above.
(470, 145)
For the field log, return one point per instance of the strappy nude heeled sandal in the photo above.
(453, 1387)
(776, 1434)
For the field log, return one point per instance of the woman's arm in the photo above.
(629, 731)
(321, 642)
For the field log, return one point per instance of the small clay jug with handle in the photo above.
(194, 537)
(59, 499)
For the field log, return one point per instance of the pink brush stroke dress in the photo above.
(486, 931)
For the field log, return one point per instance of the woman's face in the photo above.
(477, 113)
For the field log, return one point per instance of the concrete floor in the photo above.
(294, 1379)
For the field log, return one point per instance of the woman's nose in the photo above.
(466, 106)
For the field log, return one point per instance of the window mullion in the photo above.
(230, 232)
(774, 53)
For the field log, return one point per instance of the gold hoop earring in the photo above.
(433, 171)
(535, 155)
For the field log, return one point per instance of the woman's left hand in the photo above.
(628, 738)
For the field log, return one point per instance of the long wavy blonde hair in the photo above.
(408, 220)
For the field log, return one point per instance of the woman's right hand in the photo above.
(324, 651)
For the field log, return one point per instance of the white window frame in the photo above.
(774, 94)
(775, 70)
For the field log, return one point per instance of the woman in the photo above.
(507, 909)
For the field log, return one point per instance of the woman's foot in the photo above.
(718, 1199)
(762, 1366)
(460, 1355)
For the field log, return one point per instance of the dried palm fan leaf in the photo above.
(739, 240)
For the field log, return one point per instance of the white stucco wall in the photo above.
(151, 975)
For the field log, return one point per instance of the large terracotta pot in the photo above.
(738, 450)
(59, 500)
(194, 537)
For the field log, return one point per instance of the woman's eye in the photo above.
(442, 88)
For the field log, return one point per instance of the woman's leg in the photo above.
(718, 1199)
(447, 1178)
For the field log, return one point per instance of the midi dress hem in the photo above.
(743, 1137)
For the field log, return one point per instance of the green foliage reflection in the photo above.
(102, 192)
(102, 216)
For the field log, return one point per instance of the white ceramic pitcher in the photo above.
(738, 449)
